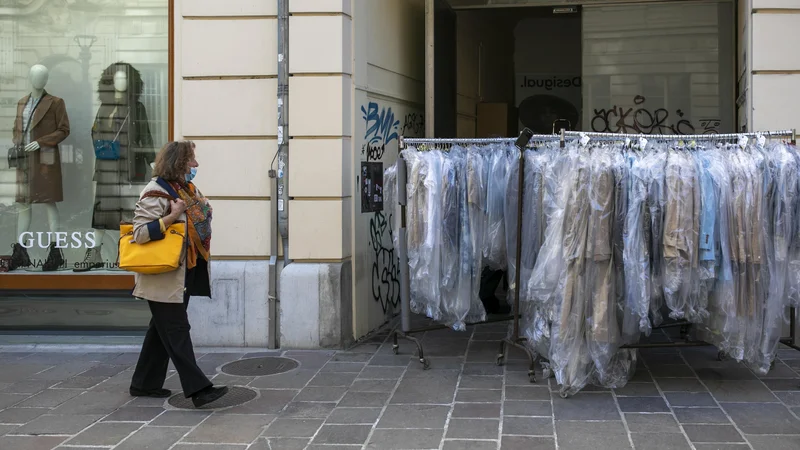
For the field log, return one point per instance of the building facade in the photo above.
(142, 72)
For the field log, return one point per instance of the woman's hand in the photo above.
(177, 207)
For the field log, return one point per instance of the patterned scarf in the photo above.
(199, 214)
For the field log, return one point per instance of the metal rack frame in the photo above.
(404, 329)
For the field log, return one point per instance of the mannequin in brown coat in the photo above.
(40, 126)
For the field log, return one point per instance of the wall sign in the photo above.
(371, 187)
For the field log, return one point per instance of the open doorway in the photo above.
(512, 67)
(642, 68)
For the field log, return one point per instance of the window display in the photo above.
(83, 110)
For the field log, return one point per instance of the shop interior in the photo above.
(650, 68)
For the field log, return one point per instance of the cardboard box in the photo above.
(496, 120)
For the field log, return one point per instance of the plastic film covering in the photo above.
(458, 220)
(617, 238)
(495, 249)
(390, 203)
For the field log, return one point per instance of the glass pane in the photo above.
(83, 111)
(659, 68)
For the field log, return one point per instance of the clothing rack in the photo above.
(405, 331)
(791, 340)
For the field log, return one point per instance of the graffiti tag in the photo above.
(382, 127)
(640, 120)
(386, 266)
(413, 124)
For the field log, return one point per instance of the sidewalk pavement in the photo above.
(369, 398)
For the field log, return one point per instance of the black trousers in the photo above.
(168, 338)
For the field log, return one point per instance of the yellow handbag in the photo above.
(152, 257)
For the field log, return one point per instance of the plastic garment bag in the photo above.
(415, 227)
(569, 354)
(720, 328)
(781, 177)
(654, 227)
(636, 249)
(450, 280)
(495, 248)
(681, 222)
(477, 171)
(793, 256)
(536, 317)
(390, 201)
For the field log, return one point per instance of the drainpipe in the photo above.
(279, 181)
(283, 126)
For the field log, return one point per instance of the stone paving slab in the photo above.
(369, 398)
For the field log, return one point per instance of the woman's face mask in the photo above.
(192, 173)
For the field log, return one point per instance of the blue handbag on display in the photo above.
(108, 149)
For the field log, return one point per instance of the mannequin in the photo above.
(121, 118)
(40, 126)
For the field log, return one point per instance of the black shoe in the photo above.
(157, 393)
(208, 395)
(55, 259)
(19, 257)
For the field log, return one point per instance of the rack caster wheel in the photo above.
(721, 356)
(396, 349)
(500, 360)
(532, 376)
(563, 394)
(425, 364)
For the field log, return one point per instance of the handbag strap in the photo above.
(122, 125)
(167, 187)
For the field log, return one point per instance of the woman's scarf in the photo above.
(198, 214)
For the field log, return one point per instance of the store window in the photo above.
(665, 68)
(84, 107)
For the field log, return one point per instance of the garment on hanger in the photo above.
(495, 251)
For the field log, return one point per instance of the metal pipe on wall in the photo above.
(279, 180)
(283, 126)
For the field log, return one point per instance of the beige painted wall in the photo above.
(388, 82)
(227, 103)
(320, 122)
(775, 64)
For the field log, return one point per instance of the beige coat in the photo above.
(165, 287)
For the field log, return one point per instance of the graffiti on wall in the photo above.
(386, 266)
(413, 124)
(383, 130)
(641, 120)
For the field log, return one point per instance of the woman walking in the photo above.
(171, 197)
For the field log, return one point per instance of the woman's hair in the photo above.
(173, 160)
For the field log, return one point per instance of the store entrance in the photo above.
(515, 68)
(640, 68)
